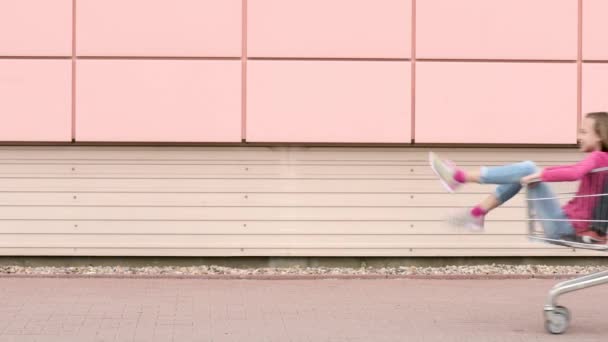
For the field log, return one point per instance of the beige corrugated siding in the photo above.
(252, 201)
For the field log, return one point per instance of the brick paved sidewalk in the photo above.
(45, 309)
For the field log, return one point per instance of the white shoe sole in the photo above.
(468, 227)
(447, 187)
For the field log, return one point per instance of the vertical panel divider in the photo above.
(244, 72)
(413, 74)
(579, 66)
(73, 71)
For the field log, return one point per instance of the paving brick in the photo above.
(75, 309)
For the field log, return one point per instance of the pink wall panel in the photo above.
(497, 29)
(36, 100)
(156, 100)
(180, 28)
(595, 87)
(328, 101)
(467, 102)
(35, 27)
(337, 28)
(595, 30)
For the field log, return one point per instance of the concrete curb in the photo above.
(296, 277)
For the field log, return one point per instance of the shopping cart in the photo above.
(557, 317)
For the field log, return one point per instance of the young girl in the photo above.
(559, 222)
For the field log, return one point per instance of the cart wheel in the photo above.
(557, 320)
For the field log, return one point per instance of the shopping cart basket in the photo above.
(591, 234)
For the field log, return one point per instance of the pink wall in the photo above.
(328, 101)
(158, 100)
(301, 70)
(505, 102)
(172, 28)
(595, 42)
(35, 100)
(497, 29)
(36, 28)
(329, 29)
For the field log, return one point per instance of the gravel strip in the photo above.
(218, 271)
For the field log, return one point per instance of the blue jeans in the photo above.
(508, 177)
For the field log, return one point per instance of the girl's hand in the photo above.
(530, 180)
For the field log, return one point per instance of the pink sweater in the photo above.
(580, 208)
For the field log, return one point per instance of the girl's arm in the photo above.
(573, 172)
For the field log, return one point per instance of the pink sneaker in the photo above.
(464, 219)
(445, 170)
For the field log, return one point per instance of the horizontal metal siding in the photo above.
(251, 201)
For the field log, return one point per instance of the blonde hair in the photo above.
(600, 125)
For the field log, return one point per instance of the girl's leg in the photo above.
(451, 176)
(548, 210)
(507, 176)
(542, 199)
(474, 218)
(503, 193)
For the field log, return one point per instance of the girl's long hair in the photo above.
(600, 126)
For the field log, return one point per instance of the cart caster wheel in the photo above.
(557, 320)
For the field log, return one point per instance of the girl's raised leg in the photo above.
(508, 178)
